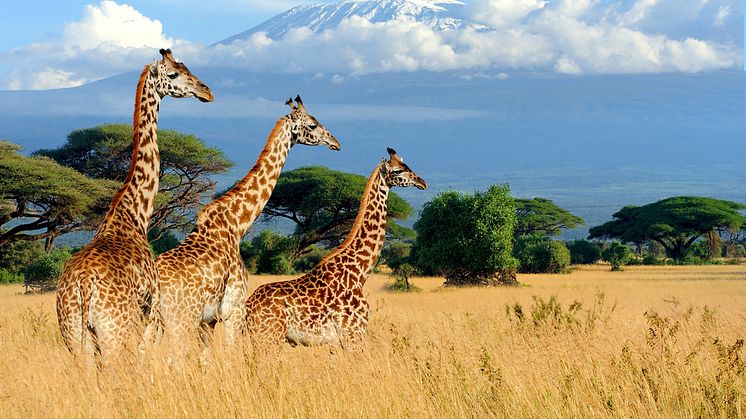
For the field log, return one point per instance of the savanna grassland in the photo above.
(646, 342)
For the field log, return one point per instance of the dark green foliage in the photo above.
(401, 283)
(161, 242)
(42, 274)
(651, 259)
(105, 152)
(675, 223)
(397, 257)
(268, 253)
(617, 255)
(467, 238)
(15, 256)
(396, 254)
(8, 277)
(46, 199)
(323, 204)
(538, 253)
(584, 252)
(540, 215)
(309, 259)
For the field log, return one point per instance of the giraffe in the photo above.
(327, 304)
(203, 280)
(108, 288)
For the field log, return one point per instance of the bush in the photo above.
(617, 255)
(268, 253)
(584, 252)
(396, 254)
(650, 259)
(540, 254)
(15, 256)
(401, 283)
(310, 259)
(8, 277)
(166, 242)
(467, 238)
(43, 273)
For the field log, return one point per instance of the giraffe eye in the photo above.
(313, 126)
(173, 75)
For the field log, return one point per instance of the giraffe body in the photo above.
(109, 288)
(327, 304)
(204, 280)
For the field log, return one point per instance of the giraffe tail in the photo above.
(86, 288)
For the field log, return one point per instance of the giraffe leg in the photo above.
(205, 338)
(233, 306)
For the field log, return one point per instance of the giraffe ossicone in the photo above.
(327, 304)
(110, 287)
(203, 280)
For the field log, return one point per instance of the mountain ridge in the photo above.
(442, 15)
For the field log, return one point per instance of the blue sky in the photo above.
(77, 41)
(199, 21)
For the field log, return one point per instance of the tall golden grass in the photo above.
(647, 342)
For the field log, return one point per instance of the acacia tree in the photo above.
(43, 199)
(323, 204)
(675, 223)
(467, 238)
(542, 216)
(105, 152)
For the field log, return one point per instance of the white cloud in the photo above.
(565, 36)
(106, 40)
(722, 14)
(52, 79)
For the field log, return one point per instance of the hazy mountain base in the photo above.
(591, 143)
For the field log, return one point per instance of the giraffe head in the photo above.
(305, 129)
(397, 173)
(174, 79)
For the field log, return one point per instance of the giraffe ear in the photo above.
(299, 102)
(166, 53)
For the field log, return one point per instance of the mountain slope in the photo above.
(442, 15)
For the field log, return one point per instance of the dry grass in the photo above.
(662, 342)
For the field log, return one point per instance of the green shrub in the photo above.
(401, 275)
(15, 256)
(617, 255)
(467, 238)
(268, 253)
(43, 273)
(538, 253)
(650, 259)
(396, 254)
(8, 277)
(310, 259)
(584, 252)
(163, 244)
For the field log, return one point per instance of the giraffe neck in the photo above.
(133, 204)
(241, 205)
(363, 244)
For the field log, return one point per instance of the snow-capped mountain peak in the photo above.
(442, 15)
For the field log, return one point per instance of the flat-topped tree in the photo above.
(675, 223)
(105, 151)
(541, 215)
(44, 199)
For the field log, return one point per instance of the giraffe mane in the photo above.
(360, 215)
(135, 139)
